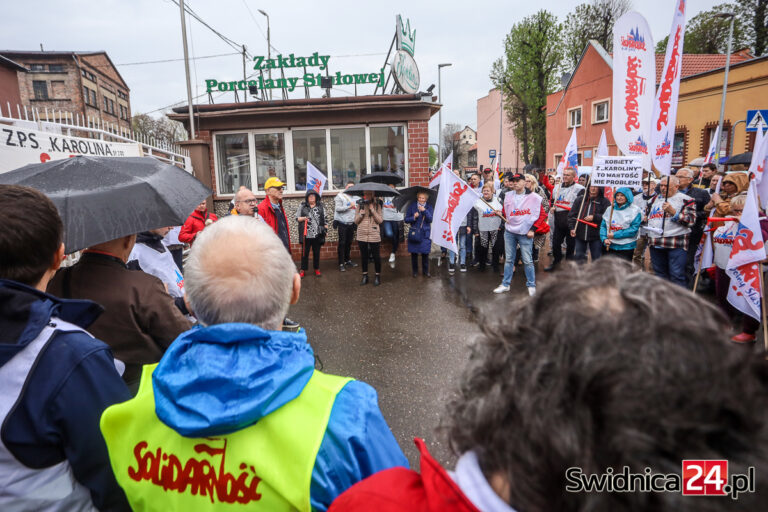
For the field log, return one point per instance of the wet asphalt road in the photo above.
(408, 338)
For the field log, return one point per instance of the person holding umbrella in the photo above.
(419, 216)
(312, 228)
(368, 218)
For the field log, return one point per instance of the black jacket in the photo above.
(701, 197)
(595, 207)
(304, 212)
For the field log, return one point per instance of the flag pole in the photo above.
(762, 308)
(586, 195)
(610, 217)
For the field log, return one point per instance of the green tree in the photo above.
(588, 21)
(432, 157)
(526, 73)
(753, 15)
(708, 33)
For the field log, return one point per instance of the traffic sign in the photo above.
(755, 118)
(491, 153)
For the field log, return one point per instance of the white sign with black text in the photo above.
(617, 171)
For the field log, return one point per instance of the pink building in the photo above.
(488, 112)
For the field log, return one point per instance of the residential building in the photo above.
(84, 84)
(9, 84)
(462, 142)
(584, 103)
(490, 119)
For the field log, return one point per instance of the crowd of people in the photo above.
(131, 382)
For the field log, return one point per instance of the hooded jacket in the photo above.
(56, 418)
(741, 180)
(624, 223)
(303, 211)
(194, 224)
(594, 207)
(250, 373)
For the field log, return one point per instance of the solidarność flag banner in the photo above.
(665, 104)
(454, 200)
(634, 81)
(315, 179)
(570, 158)
(713, 144)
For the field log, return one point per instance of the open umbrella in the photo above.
(386, 178)
(101, 198)
(378, 188)
(740, 159)
(408, 195)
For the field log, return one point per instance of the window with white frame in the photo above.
(557, 160)
(574, 117)
(600, 111)
(343, 154)
(308, 146)
(234, 164)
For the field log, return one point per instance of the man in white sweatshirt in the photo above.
(521, 210)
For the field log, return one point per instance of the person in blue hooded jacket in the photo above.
(419, 216)
(620, 238)
(55, 378)
(235, 412)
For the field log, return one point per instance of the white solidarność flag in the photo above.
(713, 147)
(744, 292)
(602, 146)
(665, 105)
(758, 165)
(448, 164)
(570, 158)
(454, 200)
(634, 80)
(315, 179)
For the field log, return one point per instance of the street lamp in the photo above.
(269, 50)
(724, 15)
(440, 114)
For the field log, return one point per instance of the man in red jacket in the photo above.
(196, 222)
(272, 212)
(547, 406)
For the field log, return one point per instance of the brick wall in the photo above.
(418, 153)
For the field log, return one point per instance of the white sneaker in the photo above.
(392, 257)
(501, 289)
(531, 291)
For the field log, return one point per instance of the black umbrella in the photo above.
(377, 188)
(386, 178)
(101, 198)
(408, 195)
(741, 159)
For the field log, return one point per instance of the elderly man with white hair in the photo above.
(235, 411)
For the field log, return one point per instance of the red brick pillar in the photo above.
(418, 153)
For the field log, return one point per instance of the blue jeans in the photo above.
(462, 242)
(391, 229)
(511, 241)
(669, 264)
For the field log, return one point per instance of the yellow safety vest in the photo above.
(267, 466)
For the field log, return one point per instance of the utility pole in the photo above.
(440, 114)
(269, 50)
(724, 15)
(245, 92)
(186, 69)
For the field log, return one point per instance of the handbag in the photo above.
(415, 235)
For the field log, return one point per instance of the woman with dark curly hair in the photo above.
(643, 380)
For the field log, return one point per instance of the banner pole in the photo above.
(762, 308)
(610, 217)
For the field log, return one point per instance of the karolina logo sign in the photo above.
(634, 41)
(639, 146)
(664, 147)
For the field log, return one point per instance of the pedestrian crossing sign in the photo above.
(756, 118)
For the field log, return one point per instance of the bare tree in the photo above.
(451, 143)
(161, 129)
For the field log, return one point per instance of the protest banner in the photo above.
(22, 146)
(617, 171)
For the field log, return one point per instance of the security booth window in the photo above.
(269, 149)
(234, 162)
(388, 149)
(308, 146)
(348, 155)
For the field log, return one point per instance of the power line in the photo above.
(259, 27)
(170, 60)
(224, 38)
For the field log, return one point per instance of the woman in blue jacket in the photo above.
(621, 238)
(419, 216)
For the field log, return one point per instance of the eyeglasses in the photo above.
(737, 210)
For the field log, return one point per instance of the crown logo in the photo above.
(406, 40)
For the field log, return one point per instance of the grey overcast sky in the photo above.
(356, 34)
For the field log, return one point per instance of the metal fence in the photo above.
(76, 125)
